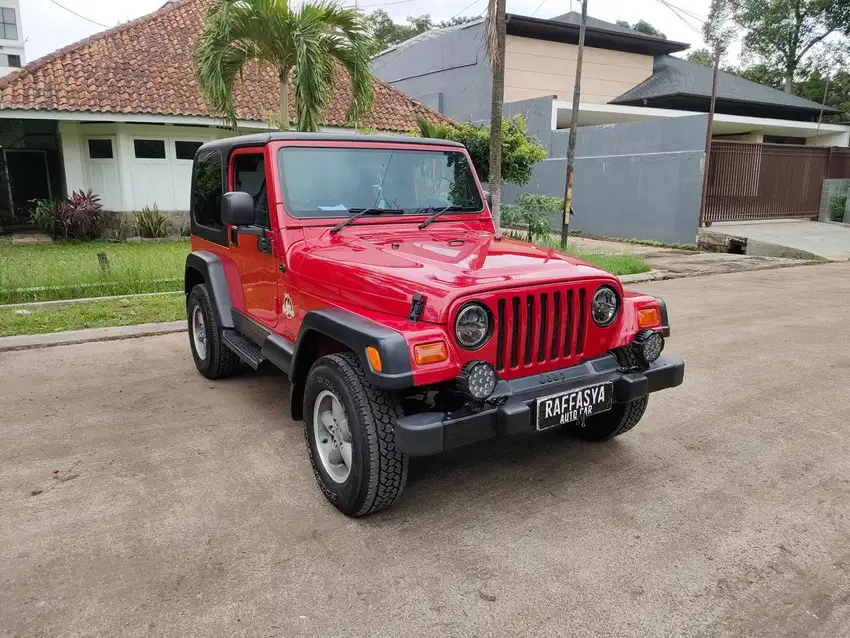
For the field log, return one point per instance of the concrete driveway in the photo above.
(788, 236)
(186, 507)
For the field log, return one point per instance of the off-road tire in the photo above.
(621, 418)
(220, 359)
(379, 471)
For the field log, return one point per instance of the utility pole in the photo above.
(718, 53)
(571, 148)
(496, 51)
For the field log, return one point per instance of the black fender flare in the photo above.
(209, 267)
(353, 331)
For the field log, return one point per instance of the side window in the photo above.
(249, 175)
(207, 187)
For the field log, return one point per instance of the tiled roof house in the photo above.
(120, 113)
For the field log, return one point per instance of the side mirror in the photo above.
(489, 199)
(237, 209)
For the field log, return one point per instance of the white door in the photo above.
(102, 171)
(152, 173)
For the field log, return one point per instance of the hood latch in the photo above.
(417, 305)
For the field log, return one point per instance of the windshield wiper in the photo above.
(450, 207)
(360, 213)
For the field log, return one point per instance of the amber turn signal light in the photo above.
(374, 358)
(430, 353)
(648, 317)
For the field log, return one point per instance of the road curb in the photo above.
(26, 342)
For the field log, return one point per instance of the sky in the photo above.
(47, 26)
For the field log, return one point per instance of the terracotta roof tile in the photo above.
(145, 66)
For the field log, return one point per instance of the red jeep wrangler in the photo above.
(368, 270)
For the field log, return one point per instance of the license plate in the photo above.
(568, 407)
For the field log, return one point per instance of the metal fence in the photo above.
(769, 181)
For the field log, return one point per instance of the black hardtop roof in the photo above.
(260, 139)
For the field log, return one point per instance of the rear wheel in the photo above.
(213, 359)
(349, 426)
(621, 418)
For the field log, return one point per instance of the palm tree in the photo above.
(307, 43)
(495, 36)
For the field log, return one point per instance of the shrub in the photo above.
(78, 217)
(152, 223)
(837, 206)
(529, 213)
(520, 152)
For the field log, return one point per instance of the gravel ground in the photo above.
(186, 507)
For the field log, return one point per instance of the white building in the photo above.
(119, 113)
(11, 37)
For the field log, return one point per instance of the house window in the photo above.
(9, 26)
(10, 60)
(208, 186)
(149, 149)
(186, 150)
(249, 176)
(100, 149)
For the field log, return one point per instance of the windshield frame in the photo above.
(332, 217)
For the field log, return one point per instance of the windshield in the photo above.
(330, 182)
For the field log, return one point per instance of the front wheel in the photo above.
(621, 418)
(349, 426)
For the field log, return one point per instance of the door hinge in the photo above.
(283, 268)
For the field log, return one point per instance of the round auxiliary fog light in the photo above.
(478, 379)
(648, 345)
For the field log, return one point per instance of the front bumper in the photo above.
(429, 433)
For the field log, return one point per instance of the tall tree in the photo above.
(386, 33)
(643, 27)
(305, 44)
(496, 51)
(781, 33)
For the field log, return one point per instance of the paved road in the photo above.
(189, 508)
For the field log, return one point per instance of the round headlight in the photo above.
(648, 345)
(478, 379)
(472, 326)
(606, 304)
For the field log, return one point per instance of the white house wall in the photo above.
(138, 182)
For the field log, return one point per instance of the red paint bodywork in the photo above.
(375, 265)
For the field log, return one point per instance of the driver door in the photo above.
(254, 253)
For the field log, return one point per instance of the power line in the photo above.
(383, 4)
(679, 15)
(62, 6)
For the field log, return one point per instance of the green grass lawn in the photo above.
(69, 270)
(94, 314)
(615, 264)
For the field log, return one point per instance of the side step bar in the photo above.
(247, 350)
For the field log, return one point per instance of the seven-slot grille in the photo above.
(540, 327)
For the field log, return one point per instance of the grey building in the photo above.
(642, 114)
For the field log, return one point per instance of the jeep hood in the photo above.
(381, 270)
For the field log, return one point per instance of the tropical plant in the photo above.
(306, 44)
(520, 151)
(78, 217)
(837, 207)
(151, 222)
(529, 213)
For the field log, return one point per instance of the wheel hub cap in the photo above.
(199, 332)
(333, 436)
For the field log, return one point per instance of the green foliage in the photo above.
(308, 42)
(781, 33)
(837, 206)
(643, 27)
(701, 56)
(520, 152)
(95, 314)
(529, 214)
(386, 33)
(78, 217)
(152, 223)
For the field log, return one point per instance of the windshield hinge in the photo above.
(417, 305)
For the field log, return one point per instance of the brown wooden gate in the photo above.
(769, 181)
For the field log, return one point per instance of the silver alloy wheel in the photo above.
(333, 437)
(199, 332)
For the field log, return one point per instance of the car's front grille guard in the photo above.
(541, 327)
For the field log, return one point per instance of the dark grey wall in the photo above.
(634, 180)
(446, 70)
